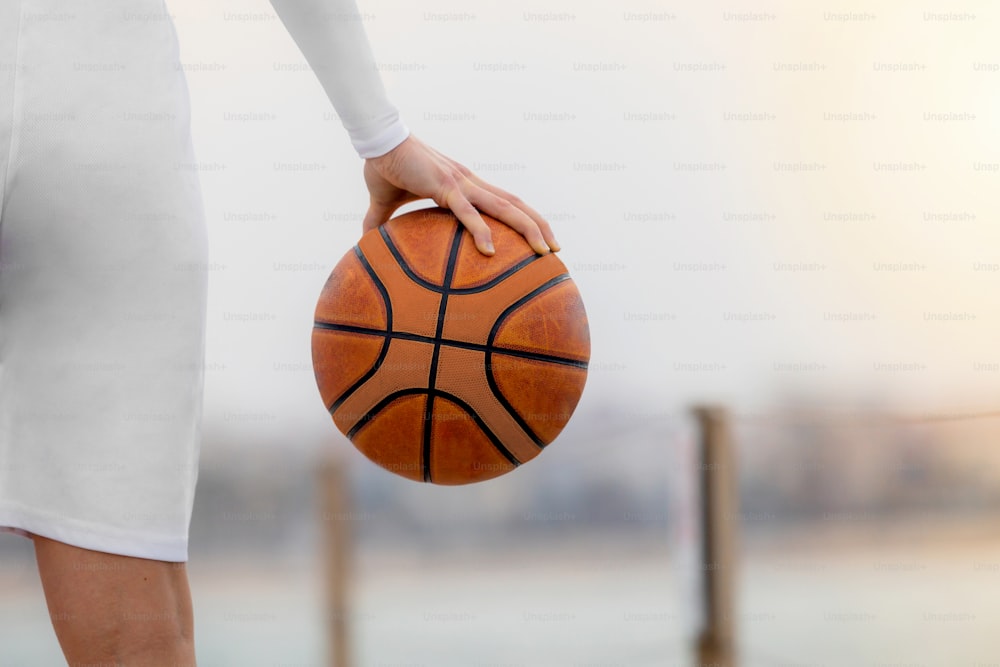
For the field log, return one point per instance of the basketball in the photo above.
(441, 364)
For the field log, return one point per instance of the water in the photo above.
(860, 603)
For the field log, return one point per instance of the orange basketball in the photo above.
(441, 364)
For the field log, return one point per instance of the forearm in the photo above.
(333, 40)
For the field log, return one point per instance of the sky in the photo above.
(755, 204)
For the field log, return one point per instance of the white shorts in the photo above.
(103, 268)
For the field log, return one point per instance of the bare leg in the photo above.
(110, 609)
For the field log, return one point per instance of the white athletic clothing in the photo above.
(333, 40)
(103, 267)
(103, 262)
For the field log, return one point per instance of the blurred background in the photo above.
(786, 209)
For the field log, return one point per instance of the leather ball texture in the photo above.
(441, 364)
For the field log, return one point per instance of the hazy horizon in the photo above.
(739, 205)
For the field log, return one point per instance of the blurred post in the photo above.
(335, 499)
(719, 508)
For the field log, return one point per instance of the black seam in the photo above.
(381, 405)
(489, 360)
(384, 403)
(449, 273)
(441, 289)
(448, 342)
(386, 334)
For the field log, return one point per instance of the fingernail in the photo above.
(489, 246)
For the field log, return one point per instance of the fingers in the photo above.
(421, 171)
(512, 216)
(469, 216)
(377, 214)
(538, 221)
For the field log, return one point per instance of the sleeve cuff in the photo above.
(382, 141)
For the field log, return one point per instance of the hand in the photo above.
(413, 170)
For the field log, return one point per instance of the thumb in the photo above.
(377, 215)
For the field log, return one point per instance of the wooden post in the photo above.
(719, 525)
(335, 505)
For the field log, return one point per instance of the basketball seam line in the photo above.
(385, 343)
(449, 273)
(441, 289)
(449, 342)
(490, 379)
(412, 391)
(407, 269)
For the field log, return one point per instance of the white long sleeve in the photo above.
(333, 40)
